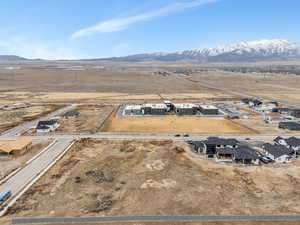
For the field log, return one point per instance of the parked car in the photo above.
(266, 159)
(177, 135)
(186, 135)
(4, 196)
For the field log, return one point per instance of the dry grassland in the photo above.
(114, 178)
(278, 87)
(173, 125)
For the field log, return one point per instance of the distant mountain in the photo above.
(11, 58)
(263, 50)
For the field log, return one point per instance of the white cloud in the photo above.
(119, 24)
(28, 48)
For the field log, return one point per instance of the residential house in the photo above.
(47, 126)
(295, 126)
(278, 153)
(15, 147)
(209, 147)
(292, 143)
(72, 113)
(241, 154)
(295, 113)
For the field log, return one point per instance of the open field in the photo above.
(273, 86)
(90, 120)
(174, 125)
(12, 118)
(11, 163)
(104, 178)
(117, 78)
(109, 98)
(134, 82)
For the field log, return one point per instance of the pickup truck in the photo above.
(4, 196)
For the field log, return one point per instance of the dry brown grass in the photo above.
(153, 178)
(175, 125)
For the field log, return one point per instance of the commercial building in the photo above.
(208, 109)
(185, 109)
(154, 109)
(133, 109)
(16, 147)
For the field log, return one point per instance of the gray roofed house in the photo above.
(278, 153)
(292, 142)
(209, 146)
(241, 154)
(72, 113)
(289, 126)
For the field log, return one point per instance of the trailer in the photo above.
(4, 196)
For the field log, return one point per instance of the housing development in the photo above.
(103, 153)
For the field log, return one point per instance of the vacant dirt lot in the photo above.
(103, 178)
(173, 125)
(90, 120)
(11, 118)
(11, 163)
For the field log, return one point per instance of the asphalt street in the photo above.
(187, 218)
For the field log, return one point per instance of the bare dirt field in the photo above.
(125, 82)
(11, 163)
(117, 78)
(104, 178)
(90, 120)
(12, 118)
(174, 125)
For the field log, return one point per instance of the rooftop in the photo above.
(208, 107)
(185, 105)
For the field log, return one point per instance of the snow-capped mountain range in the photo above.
(263, 50)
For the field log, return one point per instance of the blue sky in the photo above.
(57, 29)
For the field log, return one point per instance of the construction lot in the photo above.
(174, 125)
(90, 119)
(105, 178)
(10, 163)
(262, 127)
(12, 118)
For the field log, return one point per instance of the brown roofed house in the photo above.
(16, 147)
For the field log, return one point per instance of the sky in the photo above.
(77, 29)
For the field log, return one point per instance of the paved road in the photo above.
(21, 179)
(121, 219)
(151, 136)
(26, 126)
(154, 136)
